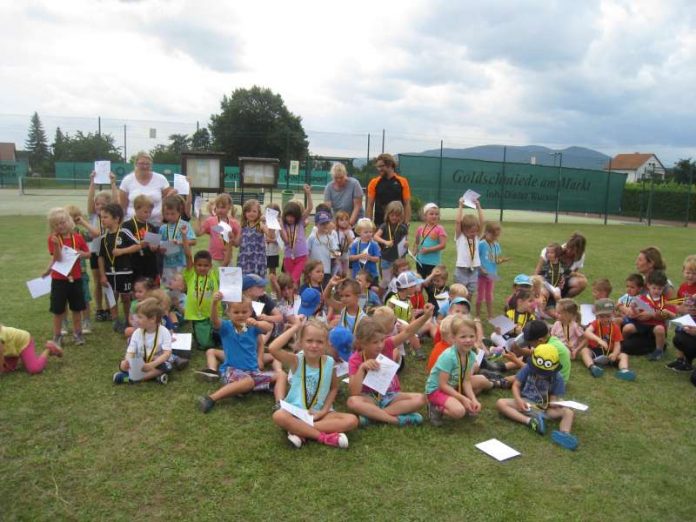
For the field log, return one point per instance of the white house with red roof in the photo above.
(638, 166)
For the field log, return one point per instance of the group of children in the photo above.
(345, 297)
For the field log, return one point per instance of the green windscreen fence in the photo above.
(82, 170)
(10, 171)
(518, 186)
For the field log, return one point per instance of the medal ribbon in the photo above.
(462, 371)
(148, 358)
(308, 404)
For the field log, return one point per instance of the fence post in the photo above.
(650, 197)
(439, 178)
(502, 183)
(606, 195)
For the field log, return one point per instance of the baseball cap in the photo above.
(309, 302)
(322, 217)
(522, 280)
(407, 280)
(545, 357)
(604, 306)
(252, 280)
(460, 300)
(341, 339)
(532, 331)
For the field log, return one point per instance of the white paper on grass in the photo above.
(503, 322)
(399, 303)
(470, 198)
(258, 307)
(197, 204)
(182, 342)
(170, 248)
(152, 239)
(110, 297)
(684, 320)
(272, 219)
(379, 380)
(231, 284)
(586, 314)
(68, 256)
(181, 185)
(571, 404)
(102, 170)
(300, 413)
(346, 380)
(39, 286)
(135, 370)
(401, 247)
(224, 229)
(498, 450)
(341, 369)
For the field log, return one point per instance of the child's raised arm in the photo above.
(457, 220)
(481, 218)
(414, 326)
(327, 295)
(214, 316)
(276, 347)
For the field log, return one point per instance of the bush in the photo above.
(669, 201)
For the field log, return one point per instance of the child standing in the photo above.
(364, 252)
(273, 240)
(431, 240)
(604, 343)
(222, 212)
(241, 370)
(345, 239)
(151, 342)
(567, 328)
(82, 228)
(171, 232)
(540, 383)
(66, 289)
(490, 255)
(145, 262)
(293, 235)
(466, 233)
(252, 245)
(16, 344)
(313, 387)
(322, 243)
(389, 236)
(685, 336)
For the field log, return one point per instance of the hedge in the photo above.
(669, 201)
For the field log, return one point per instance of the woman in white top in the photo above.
(143, 181)
(572, 261)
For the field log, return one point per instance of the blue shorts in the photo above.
(383, 400)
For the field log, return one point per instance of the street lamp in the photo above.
(558, 181)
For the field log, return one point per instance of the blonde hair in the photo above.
(341, 214)
(394, 207)
(248, 205)
(364, 224)
(537, 284)
(285, 281)
(163, 300)
(458, 290)
(338, 168)
(105, 195)
(384, 316)
(58, 215)
(491, 227)
(446, 328)
(74, 211)
(315, 323)
(143, 200)
(602, 285)
(225, 200)
(142, 154)
(468, 221)
(150, 307)
(690, 263)
(367, 329)
(460, 322)
(569, 306)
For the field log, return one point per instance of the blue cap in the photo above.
(341, 339)
(309, 302)
(460, 300)
(252, 280)
(322, 217)
(522, 279)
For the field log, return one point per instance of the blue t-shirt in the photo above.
(312, 382)
(170, 232)
(239, 347)
(370, 266)
(489, 253)
(537, 385)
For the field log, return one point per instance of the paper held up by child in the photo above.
(231, 284)
(182, 342)
(135, 369)
(504, 323)
(341, 369)
(170, 247)
(641, 305)
(586, 314)
(68, 256)
(379, 380)
(470, 198)
(402, 247)
(224, 229)
(181, 185)
(152, 239)
(272, 219)
(102, 169)
(498, 450)
(39, 287)
(258, 307)
(300, 413)
(571, 404)
(684, 320)
(197, 204)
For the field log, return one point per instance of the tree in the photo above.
(85, 147)
(37, 146)
(256, 122)
(200, 140)
(684, 171)
(171, 153)
(59, 146)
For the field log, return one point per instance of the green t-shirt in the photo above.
(449, 362)
(563, 356)
(199, 293)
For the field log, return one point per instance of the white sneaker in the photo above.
(86, 326)
(295, 440)
(342, 440)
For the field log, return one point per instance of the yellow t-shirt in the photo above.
(14, 340)
(520, 319)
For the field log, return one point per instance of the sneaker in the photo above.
(364, 421)
(656, 355)
(601, 360)
(64, 327)
(120, 377)
(78, 339)
(296, 440)
(162, 378)
(86, 326)
(54, 349)
(208, 375)
(205, 404)
(180, 363)
(58, 339)
(537, 423)
(596, 371)
(434, 415)
(410, 419)
(625, 375)
(119, 326)
(337, 440)
(680, 365)
(565, 440)
(101, 315)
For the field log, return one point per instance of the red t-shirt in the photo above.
(688, 293)
(76, 242)
(657, 305)
(610, 335)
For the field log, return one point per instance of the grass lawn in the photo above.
(74, 446)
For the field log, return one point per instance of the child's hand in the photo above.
(475, 406)
(103, 280)
(369, 365)
(521, 405)
(217, 297)
(307, 189)
(252, 322)
(603, 344)
(388, 244)
(125, 364)
(112, 177)
(613, 357)
(429, 309)
(184, 230)
(116, 252)
(147, 367)
(55, 241)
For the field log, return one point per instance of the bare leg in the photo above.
(586, 356)
(213, 358)
(280, 390)
(406, 403)
(480, 384)
(57, 323)
(234, 388)
(454, 409)
(508, 408)
(565, 414)
(623, 361)
(77, 322)
(332, 422)
(366, 406)
(659, 332)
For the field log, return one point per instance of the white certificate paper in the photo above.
(181, 185)
(379, 380)
(684, 320)
(231, 284)
(300, 413)
(586, 314)
(102, 169)
(272, 219)
(571, 404)
(39, 287)
(470, 198)
(152, 239)
(68, 256)
(258, 307)
(498, 450)
(182, 342)
(135, 370)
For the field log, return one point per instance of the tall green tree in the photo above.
(37, 146)
(84, 147)
(60, 146)
(200, 140)
(684, 171)
(256, 122)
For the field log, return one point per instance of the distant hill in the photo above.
(577, 157)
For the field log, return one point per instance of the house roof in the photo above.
(7, 151)
(631, 161)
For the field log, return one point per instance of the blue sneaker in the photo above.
(656, 355)
(626, 375)
(596, 371)
(406, 419)
(537, 423)
(565, 440)
(120, 377)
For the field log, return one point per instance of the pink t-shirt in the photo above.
(217, 246)
(572, 337)
(356, 359)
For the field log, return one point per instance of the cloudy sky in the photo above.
(613, 75)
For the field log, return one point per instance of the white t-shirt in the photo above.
(464, 257)
(131, 186)
(577, 265)
(137, 346)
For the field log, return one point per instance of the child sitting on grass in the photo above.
(241, 372)
(16, 344)
(541, 383)
(313, 387)
(568, 328)
(685, 336)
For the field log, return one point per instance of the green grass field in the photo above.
(74, 446)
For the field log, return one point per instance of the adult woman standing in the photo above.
(344, 193)
(572, 261)
(144, 181)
